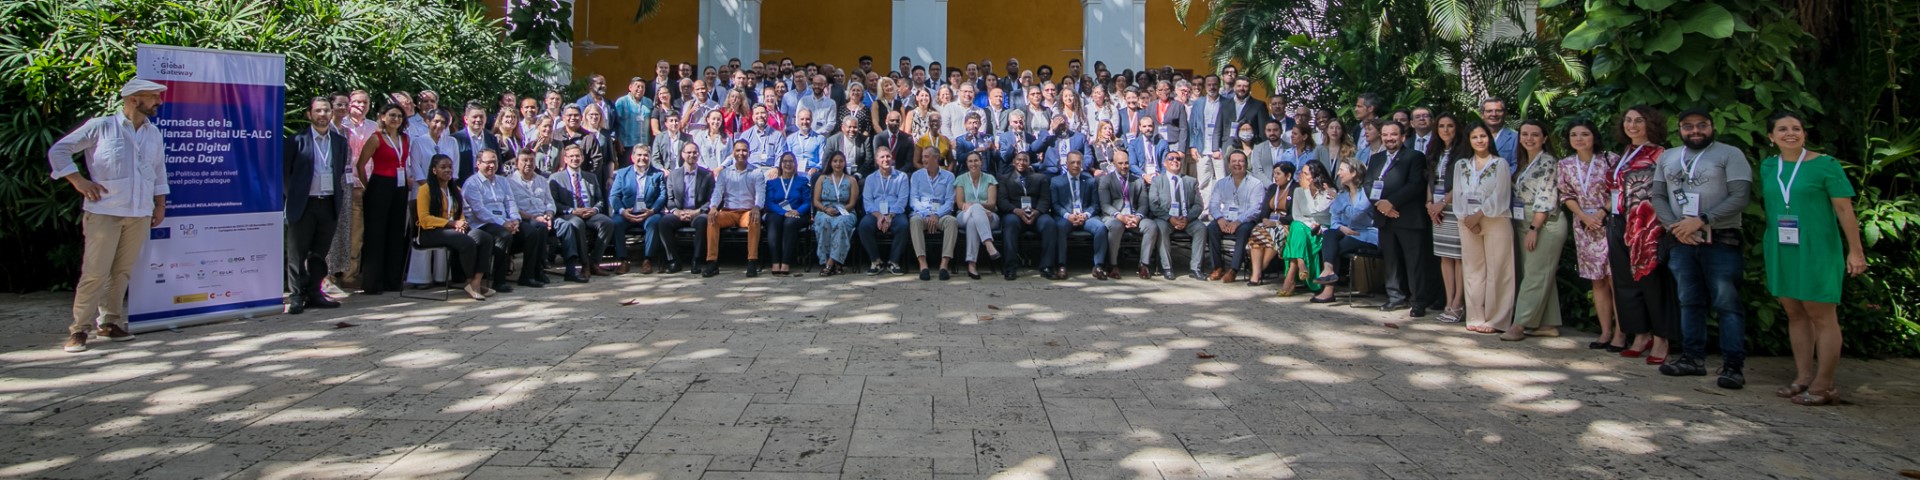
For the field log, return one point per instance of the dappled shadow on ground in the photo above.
(889, 377)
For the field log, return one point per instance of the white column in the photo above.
(1115, 31)
(919, 32)
(729, 29)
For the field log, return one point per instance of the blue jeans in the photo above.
(1709, 276)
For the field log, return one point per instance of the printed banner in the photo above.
(219, 253)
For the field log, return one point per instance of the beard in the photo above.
(1699, 144)
(148, 109)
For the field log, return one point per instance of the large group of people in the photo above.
(1467, 213)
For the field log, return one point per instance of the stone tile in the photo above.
(639, 414)
(525, 473)
(1332, 449)
(934, 385)
(497, 436)
(437, 463)
(1136, 446)
(1057, 387)
(1086, 415)
(955, 413)
(711, 409)
(827, 389)
(653, 387)
(751, 382)
(1379, 423)
(886, 468)
(385, 441)
(913, 412)
(1002, 391)
(768, 476)
(899, 368)
(704, 440)
(655, 466)
(937, 444)
(804, 450)
(1142, 415)
(791, 415)
(590, 446)
(1017, 452)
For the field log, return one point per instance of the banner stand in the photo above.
(219, 253)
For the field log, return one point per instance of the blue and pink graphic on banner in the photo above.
(219, 253)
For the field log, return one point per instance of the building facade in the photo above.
(1123, 33)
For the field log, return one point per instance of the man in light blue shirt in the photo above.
(739, 190)
(932, 190)
(884, 196)
(820, 102)
(1506, 142)
(764, 144)
(1235, 204)
(805, 145)
(125, 190)
(490, 207)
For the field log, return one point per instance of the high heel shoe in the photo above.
(474, 293)
(1812, 398)
(1631, 353)
(1653, 360)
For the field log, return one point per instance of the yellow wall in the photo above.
(836, 32)
(671, 34)
(1038, 32)
(1170, 44)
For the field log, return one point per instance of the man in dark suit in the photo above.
(1026, 198)
(315, 177)
(1146, 149)
(471, 140)
(1240, 109)
(1014, 141)
(1396, 183)
(1075, 207)
(899, 143)
(1169, 114)
(578, 195)
(1123, 204)
(686, 206)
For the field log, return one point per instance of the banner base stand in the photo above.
(205, 318)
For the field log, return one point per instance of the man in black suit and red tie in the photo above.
(315, 177)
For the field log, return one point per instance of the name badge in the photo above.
(1690, 204)
(498, 213)
(788, 206)
(1076, 207)
(1519, 209)
(1789, 233)
(1378, 186)
(883, 207)
(1613, 198)
(1439, 194)
(1473, 201)
(1026, 203)
(1233, 212)
(1273, 217)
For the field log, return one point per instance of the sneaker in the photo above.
(1684, 366)
(114, 333)
(76, 343)
(327, 286)
(1731, 378)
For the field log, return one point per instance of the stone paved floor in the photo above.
(892, 378)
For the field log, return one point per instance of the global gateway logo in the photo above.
(164, 65)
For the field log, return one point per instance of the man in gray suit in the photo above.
(1122, 207)
(848, 141)
(1266, 154)
(1173, 204)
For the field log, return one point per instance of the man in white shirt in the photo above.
(534, 201)
(125, 197)
(490, 207)
(738, 191)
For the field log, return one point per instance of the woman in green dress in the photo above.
(1805, 256)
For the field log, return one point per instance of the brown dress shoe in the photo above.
(1227, 277)
(1099, 273)
(1215, 276)
(114, 333)
(1144, 274)
(1059, 273)
(622, 269)
(1113, 273)
(646, 267)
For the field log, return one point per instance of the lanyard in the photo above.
(786, 188)
(1391, 157)
(1690, 165)
(1786, 189)
(1587, 174)
(1626, 161)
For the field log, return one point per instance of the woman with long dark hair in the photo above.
(439, 213)
(1446, 226)
(1312, 197)
(836, 202)
(1583, 189)
(1540, 230)
(1643, 289)
(382, 168)
(1484, 187)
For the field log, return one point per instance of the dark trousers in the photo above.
(465, 247)
(869, 232)
(1053, 242)
(623, 228)
(1010, 231)
(783, 236)
(667, 231)
(491, 250)
(591, 236)
(383, 247)
(533, 248)
(1645, 305)
(308, 239)
(1336, 245)
(1240, 236)
(1404, 250)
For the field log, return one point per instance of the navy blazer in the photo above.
(625, 191)
(297, 173)
(1142, 152)
(469, 155)
(1063, 195)
(989, 158)
(1009, 142)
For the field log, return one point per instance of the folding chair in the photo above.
(435, 267)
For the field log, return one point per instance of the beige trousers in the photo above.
(112, 246)
(947, 227)
(1486, 259)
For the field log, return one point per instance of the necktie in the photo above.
(579, 191)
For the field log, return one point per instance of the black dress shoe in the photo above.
(1169, 274)
(575, 277)
(712, 269)
(296, 306)
(753, 269)
(1317, 299)
(926, 275)
(1417, 313)
(1196, 276)
(1009, 275)
(321, 301)
(503, 287)
(697, 269)
(673, 267)
(945, 275)
(529, 283)
(1392, 306)
(973, 275)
